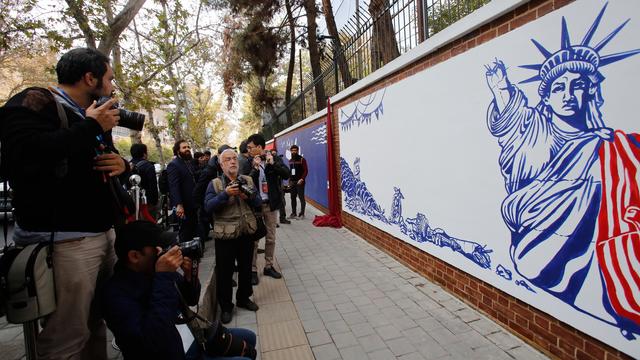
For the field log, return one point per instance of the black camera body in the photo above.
(191, 249)
(129, 119)
(244, 186)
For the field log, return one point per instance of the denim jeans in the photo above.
(245, 334)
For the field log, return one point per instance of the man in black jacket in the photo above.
(144, 297)
(147, 172)
(267, 172)
(67, 195)
(182, 181)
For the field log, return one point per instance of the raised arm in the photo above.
(499, 84)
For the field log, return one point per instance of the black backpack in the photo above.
(163, 182)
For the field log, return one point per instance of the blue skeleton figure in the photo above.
(419, 228)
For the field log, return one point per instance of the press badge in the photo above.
(265, 187)
(293, 171)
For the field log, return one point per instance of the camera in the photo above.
(245, 188)
(191, 249)
(129, 119)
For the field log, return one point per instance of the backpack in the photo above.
(163, 182)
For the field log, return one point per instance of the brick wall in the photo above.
(541, 330)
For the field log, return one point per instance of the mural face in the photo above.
(312, 141)
(557, 222)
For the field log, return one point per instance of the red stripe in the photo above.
(603, 218)
(626, 282)
(615, 182)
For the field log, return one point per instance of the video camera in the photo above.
(129, 119)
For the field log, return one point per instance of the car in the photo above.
(6, 208)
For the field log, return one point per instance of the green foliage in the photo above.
(442, 15)
(123, 145)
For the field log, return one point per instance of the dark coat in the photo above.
(35, 153)
(274, 173)
(141, 311)
(147, 172)
(182, 182)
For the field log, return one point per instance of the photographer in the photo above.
(67, 195)
(145, 295)
(231, 199)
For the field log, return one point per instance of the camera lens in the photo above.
(131, 120)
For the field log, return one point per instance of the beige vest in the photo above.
(236, 218)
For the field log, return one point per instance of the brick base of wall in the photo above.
(539, 329)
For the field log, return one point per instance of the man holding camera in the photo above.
(267, 173)
(232, 199)
(146, 293)
(67, 196)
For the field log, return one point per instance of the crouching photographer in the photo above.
(146, 293)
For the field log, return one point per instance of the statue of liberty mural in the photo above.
(572, 183)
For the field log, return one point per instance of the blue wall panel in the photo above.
(312, 141)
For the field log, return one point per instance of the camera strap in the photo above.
(5, 221)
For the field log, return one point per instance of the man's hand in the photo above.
(187, 267)
(301, 181)
(105, 116)
(233, 190)
(169, 261)
(180, 211)
(112, 163)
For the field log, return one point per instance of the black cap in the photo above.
(223, 148)
(138, 234)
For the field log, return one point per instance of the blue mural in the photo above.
(359, 199)
(364, 111)
(312, 141)
(572, 184)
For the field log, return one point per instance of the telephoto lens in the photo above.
(129, 119)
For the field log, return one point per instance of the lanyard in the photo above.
(70, 101)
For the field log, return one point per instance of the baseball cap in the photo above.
(138, 234)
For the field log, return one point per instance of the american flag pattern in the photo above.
(618, 238)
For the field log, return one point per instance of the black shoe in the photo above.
(277, 225)
(249, 305)
(260, 251)
(285, 221)
(270, 271)
(226, 316)
(254, 278)
(301, 216)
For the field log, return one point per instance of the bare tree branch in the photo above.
(119, 24)
(77, 12)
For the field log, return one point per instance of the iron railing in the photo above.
(367, 45)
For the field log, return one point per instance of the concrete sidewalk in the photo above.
(356, 302)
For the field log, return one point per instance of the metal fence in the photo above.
(374, 36)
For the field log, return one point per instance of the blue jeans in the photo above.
(245, 334)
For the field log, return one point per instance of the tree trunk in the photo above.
(155, 133)
(314, 53)
(337, 44)
(167, 53)
(292, 61)
(384, 46)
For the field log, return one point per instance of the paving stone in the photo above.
(354, 318)
(346, 308)
(485, 326)
(324, 305)
(388, 332)
(319, 338)
(330, 315)
(412, 356)
(371, 343)
(326, 352)
(416, 335)
(363, 329)
(400, 346)
(503, 340)
(382, 354)
(313, 325)
(525, 352)
(432, 350)
(336, 327)
(354, 353)
(345, 339)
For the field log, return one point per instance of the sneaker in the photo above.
(114, 345)
(226, 316)
(285, 221)
(233, 283)
(260, 251)
(270, 271)
(249, 305)
(254, 278)
(301, 216)
(292, 216)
